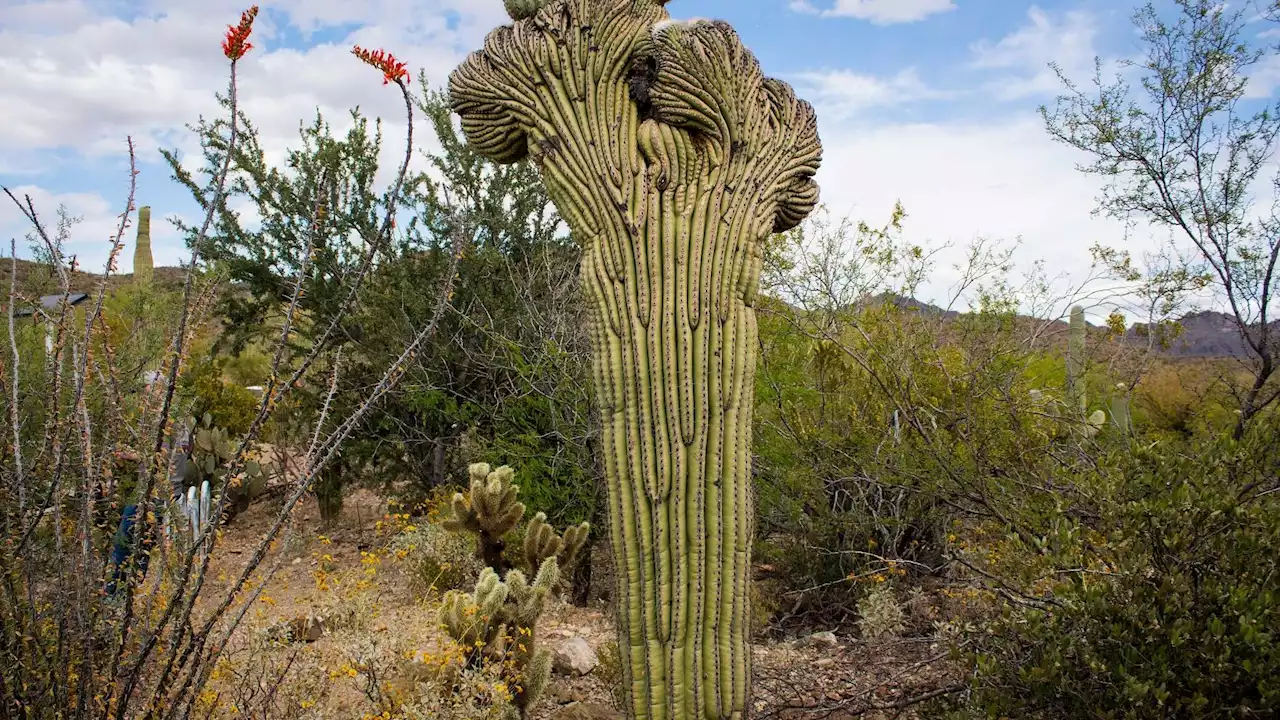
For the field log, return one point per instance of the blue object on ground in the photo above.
(124, 546)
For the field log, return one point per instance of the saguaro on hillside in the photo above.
(672, 157)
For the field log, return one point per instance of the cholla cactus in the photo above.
(541, 542)
(672, 158)
(489, 511)
(499, 619)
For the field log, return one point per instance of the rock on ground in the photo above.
(575, 657)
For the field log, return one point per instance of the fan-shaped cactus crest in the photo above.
(672, 157)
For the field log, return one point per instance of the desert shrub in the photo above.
(470, 694)
(437, 560)
(232, 407)
(1161, 602)
(609, 672)
(879, 613)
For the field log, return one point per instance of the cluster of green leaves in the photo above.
(505, 376)
(1163, 601)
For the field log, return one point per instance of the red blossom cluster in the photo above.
(392, 70)
(236, 43)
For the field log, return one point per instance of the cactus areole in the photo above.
(671, 157)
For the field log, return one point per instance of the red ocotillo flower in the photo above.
(392, 70)
(236, 43)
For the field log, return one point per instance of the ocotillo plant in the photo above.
(672, 157)
(143, 265)
(1076, 396)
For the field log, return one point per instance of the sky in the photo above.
(929, 102)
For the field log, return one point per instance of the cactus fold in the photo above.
(143, 265)
(671, 157)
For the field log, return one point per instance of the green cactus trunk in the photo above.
(1076, 363)
(671, 157)
(143, 265)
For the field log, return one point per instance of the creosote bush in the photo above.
(1166, 602)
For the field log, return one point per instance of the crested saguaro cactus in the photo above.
(143, 265)
(671, 157)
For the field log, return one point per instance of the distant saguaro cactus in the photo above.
(1076, 362)
(672, 157)
(143, 265)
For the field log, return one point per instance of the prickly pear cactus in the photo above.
(212, 450)
(672, 157)
(143, 265)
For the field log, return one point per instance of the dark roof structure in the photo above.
(51, 302)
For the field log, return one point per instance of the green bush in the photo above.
(437, 560)
(232, 407)
(1167, 604)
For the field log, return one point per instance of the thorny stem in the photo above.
(271, 398)
(158, 462)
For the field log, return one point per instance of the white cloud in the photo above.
(74, 83)
(1001, 180)
(879, 12)
(91, 236)
(845, 93)
(96, 79)
(1023, 56)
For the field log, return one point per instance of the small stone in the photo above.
(834, 696)
(825, 663)
(822, 640)
(575, 657)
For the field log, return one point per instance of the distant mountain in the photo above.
(1203, 334)
(1206, 335)
(36, 279)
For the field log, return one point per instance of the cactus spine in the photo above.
(671, 157)
(143, 265)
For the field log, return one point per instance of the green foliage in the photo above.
(212, 450)
(1167, 605)
(231, 407)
